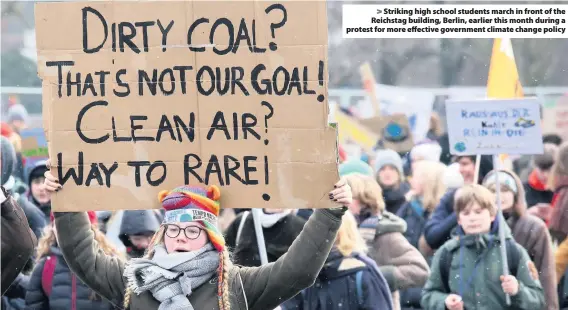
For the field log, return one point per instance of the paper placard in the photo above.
(491, 127)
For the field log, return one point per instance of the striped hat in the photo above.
(195, 204)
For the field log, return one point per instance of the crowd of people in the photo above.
(417, 230)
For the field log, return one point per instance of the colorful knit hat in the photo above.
(195, 204)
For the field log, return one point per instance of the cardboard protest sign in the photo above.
(142, 96)
(492, 127)
(394, 131)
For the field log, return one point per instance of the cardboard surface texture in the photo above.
(140, 96)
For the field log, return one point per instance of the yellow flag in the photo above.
(503, 81)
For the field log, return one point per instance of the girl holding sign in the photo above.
(187, 265)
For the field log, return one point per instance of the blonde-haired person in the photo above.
(53, 285)
(187, 265)
(401, 264)
(349, 278)
(427, 188)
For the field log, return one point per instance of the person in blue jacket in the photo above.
(439, 227)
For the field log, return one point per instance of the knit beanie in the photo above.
(428, 150)
(195, 204)
(355, 166)
(17, 112)
(388, 157)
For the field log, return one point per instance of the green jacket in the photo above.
(480, 288)
(255, 288)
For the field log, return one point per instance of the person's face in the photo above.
(416, 183)
(467, 169)
(140, 242)
(475, 220)
(19, 124)
(39, 192)
(543, 175)
(184, 237)
(388, 176)
(507, 199)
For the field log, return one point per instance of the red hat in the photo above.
(92, 217)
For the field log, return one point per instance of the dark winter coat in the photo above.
(137, 222)
(254, 288)
(18, 241)
(278, 239)
(67, 291)
(439, 227)
(336, 287)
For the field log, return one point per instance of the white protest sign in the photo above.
(491, 127)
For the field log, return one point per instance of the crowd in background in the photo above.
(407, 241)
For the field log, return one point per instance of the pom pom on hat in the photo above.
(195, 204)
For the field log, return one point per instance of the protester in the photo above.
(208, 278)
(349, 280)
(401, 264)
(34, 216)
(523, 165)
(527, 230)
(53, 286)
(465, 271)
(390, 175)
(559, 183)
(136, 230)
(561, 258)
(280, 228)
(355, 166)
(37, 194)
(427, 187)
(538, 195)
(440, 225)
(18, 240)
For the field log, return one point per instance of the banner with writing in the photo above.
(492, 127)
(142, 96)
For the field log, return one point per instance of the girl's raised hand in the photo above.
(342, 193)
(51, 183)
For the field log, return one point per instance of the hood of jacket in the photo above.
(337, 266)
(138, 222)
(520, 204)
(384, 223)
(479, 240)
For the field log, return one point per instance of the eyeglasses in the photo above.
(191, 232)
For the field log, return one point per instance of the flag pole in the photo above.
(502, 223)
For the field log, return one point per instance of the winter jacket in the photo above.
(278, 239)
(532, 234)
(14, 297)
(415, 229)
(395, 197)
(439, 227)
(480, 287)
(536, 192)
(137, 222)
(401, 264)
(336, 287)
(415, 222)
(254, 288)
(559, 218)
(18, 241)
(67, 292)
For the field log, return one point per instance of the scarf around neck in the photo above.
(270, 219)
(171, 277)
